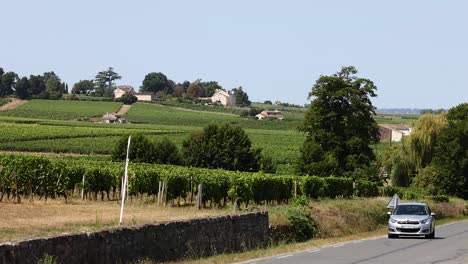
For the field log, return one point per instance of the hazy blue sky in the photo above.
(415, 51)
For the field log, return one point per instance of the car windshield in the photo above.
(410, 210)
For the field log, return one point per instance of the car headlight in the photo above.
(393, 220)
(425, 221)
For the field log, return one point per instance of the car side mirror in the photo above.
(389, 213)
(433, 214)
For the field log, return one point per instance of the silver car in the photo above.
(411, 219)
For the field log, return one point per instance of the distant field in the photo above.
(62, 109)
(163, 115)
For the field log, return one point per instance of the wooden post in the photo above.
(191, 189)
(200, 196)
(159, 193)
(82, 186)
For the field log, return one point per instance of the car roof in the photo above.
(412, 204)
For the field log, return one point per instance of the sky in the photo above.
(416, 52)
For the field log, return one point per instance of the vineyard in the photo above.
(24, 177)
(164, 115)
(62, 109)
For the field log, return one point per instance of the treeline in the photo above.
(434, 156)
(28, 176)
(50, 86)
(46, 86)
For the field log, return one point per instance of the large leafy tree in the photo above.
(83, 87)
(7, 82)
(447, 172)
(22, 88)
(105, 80)
(221, 146)
(339, 125)
(156, 82)
(242, 99)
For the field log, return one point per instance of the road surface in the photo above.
(450, 246)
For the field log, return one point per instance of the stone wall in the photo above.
(159, 242)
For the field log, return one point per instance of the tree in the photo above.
(447, 172)
(209, 88)
(178, 91)
(7, 83)
(426, 130)
(166, 152)
(155, 82)
(221, 146)
(143, 150)
(127, 99)
(104, 82)
(83, 87)
(54, 87)
(242, 99)
(22, 88)
(195, 89)
(37, 84)
(339, 125)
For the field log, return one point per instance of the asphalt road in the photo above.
(449, 246)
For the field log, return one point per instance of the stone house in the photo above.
(113, 118)
(124, 89)
(393, 132)
(223, 97)
(270, 115)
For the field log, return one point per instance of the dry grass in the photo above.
(52, 217)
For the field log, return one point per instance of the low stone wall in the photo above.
(159, 242)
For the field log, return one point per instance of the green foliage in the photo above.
(221, 146)
(4, 101)
(242, 99)
(83, 87)
(166, 152)
(339, 125)
(338, 187)
(104, 81)
(127, 99)
(440, 145)
(313, 186)
(155, 82)
(51, 177)
(398, 161)
(440, 198)
(7, 82)
(366, 189)
(302, 223)
(47, 259)
(61, 109)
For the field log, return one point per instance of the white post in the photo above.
(125, 182)
(82, 187)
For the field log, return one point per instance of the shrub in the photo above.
(302, 224)
(221, 146)
(127, 99)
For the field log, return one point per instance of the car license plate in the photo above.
(407, 226)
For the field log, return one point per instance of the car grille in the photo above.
(409, 222)
(408, 230)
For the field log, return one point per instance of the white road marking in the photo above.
(312, 251)
(358, 241)
(338, 245)
(285, 256)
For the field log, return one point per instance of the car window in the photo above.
(411, 210)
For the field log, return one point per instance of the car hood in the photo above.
(410, 217)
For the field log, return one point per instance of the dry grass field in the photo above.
(53, 217)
